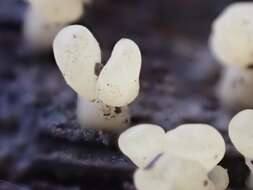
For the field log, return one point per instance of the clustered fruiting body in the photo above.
(231, 42)
(45, 18)
(241, 135)
(183, 158)
(103, 95)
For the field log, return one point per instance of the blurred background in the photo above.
(42, 145)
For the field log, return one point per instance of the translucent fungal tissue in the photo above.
(231, 38)
(171, 173)
(199, 142)
(219, 176)
(235, 88)
(231, 41)
(241, 133)
(142, 143)
(173, 160)
(114, 77)
(103, 95)
(45, 18)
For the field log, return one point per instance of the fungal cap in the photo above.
(142, 143)
(55, 10)
(76, 53)
(118, 82)
(219, 176)
(199, 142)
(231, 38)
(169, 173)
(240, 132)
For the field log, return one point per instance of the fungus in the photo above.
(241, 133)
(102, 98)
(231, 43)
(173, 173)
(121, 70)
(45, 18)
(198, 142)
(142, 143)
(219, 176)
(183, 158)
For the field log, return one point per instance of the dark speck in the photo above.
(118, 110)
(126, 121)
(205, 183)
(98, 68)
(250, 66)
(106, 114)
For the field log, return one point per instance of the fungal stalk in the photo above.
(103, 96)
(45, 18)
(240, 133)
(231, 43)
(193, 143)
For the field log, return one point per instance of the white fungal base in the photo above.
(97, 115)
(235, 89)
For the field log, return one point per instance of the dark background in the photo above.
(41, 143)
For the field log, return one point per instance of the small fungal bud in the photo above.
(104, 91)
(122, 69)
(142, 143)
(76, 53)
(172, 173)
(219, 176)
(45, 18)
(231, 38)
(240, 132)
(198, 142)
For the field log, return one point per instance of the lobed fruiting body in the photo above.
(104, 95)
(231, 42)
